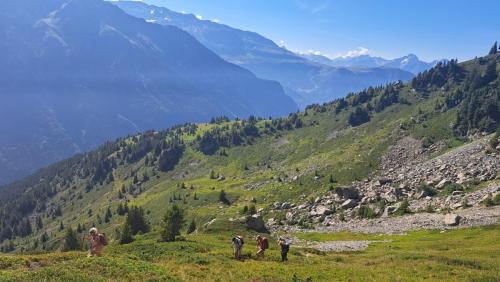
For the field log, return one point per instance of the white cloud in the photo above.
(199, 17)
(313, 7)
(282, 43)
(216, 20)
(360, 51)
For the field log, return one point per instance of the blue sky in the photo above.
(390, 28)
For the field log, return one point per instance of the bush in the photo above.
(365, 212)
(172, 223)
(465, 203)
(430, 209)
(489, 202)
(428, 189)
(403, 209)
(448, 189)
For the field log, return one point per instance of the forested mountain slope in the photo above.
(78, 73)
(223, 169)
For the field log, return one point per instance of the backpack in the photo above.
(285, 247)
(103, 240)
(265, 243)
(238, 240)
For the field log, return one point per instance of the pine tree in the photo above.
(79, 228)
(39, 222)
(494, 49)
(71, 242)
(137, 221)
(45, 237)
(172, 222)
(126, 234)
(192, 227)
(223, 198)
(108, 215)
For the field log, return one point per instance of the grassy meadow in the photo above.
(455, 255)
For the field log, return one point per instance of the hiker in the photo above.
(238, 246)
(285, 247)
(97, 242)
(263, 245)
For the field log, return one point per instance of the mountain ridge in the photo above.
(73, 81)
(410, 62)
(305, 81)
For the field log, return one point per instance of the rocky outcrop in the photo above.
(404, 169)
(451, 219)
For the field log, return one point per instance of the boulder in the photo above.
(389, 210)
(256, 223)
(345, 192)
(349, 204)
(451, 219)
(323, 210)
(286, 206)
(422, 194)
(443, 183)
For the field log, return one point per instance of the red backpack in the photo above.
(103, 240)
(265, 243)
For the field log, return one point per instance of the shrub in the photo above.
(428, 189)
(448, 189)
(403, 209)
(430, 209)
(465, 203)
(494, 140)
(365, 212)
(488, 202)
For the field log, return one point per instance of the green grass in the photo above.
(458, 255)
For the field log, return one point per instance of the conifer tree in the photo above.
(71, 242)
(172, 222)
(137, 221)
(126, 234)
(192, 227)
(494, 49)
(223, 198)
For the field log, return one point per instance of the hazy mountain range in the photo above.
(410, 62)
(305, 80)
(77, 73)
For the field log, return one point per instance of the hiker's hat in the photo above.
(93, 230)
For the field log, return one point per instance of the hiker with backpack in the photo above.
(237, 246)
(285, 247)
(97, 242)
(263, 245)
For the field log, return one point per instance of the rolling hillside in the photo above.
(260, 162)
